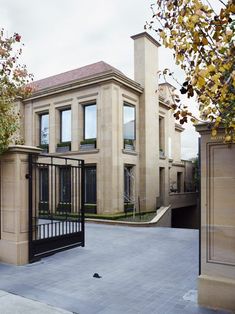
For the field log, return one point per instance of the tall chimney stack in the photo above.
(146, 74)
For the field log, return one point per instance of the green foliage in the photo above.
(88, 141)
(63, 144)
(203, 44)
(14, 80)
(129, 142)
(44, 146)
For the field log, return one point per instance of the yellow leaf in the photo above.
(211, 68)
(214, 132)
(228, 138)
(201, 82)
(232, 8)
(204, 41)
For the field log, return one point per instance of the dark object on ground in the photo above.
(96, 275)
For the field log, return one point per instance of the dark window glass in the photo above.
(179, 182)
(127, 184)
(43, 184)
(90, 185)
(90, 122)
(44, 129)
(65, 125)
(129, 122)
(43, 189)
(65, 185)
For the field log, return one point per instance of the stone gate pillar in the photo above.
(14, 204)
(216, 283)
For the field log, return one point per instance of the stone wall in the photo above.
(14, 204)
(217, 279)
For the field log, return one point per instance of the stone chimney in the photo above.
(145, 59)
(146, 73)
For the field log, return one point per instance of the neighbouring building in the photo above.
(124, 129)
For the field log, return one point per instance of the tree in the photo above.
(204, 47)
(14, 84)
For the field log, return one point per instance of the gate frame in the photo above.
(31, 255)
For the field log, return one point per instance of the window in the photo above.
(65, 187)
(44, 129)
(128, 122)
(128, 184)
(65, 125)
(179, 182)
(129, 198)
(43, 188)
(162, 136)
(90, 184)
(90, 122)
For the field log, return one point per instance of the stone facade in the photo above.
(14, 204)
(153, 156)
(216, 283)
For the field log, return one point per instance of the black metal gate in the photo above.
(56, 204)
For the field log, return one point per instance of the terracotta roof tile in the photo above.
(74, 75)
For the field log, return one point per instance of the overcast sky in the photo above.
(63, 35)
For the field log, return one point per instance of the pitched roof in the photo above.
(74, 75)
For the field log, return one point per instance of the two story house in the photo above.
(124, 130)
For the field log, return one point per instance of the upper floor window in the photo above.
(44, 129)
(65, 125)
(90, 122)
(162, 136)
(129, 122)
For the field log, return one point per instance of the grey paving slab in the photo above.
(14, 304)
(144, 270)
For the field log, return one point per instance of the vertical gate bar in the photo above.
(52, 196)
(199, 209)
(35, 200)
(82, 202)
(72, 191)
(30, 201)
(66, 192)
(79, 196)
(55, 189)
(75, 194)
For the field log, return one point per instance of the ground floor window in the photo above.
(90, 189)
(43, 188)
(129, 183)
(65, 188)
(179, 182)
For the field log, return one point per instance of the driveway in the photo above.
(143, 270)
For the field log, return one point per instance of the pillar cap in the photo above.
(24, 149)
(149, 37)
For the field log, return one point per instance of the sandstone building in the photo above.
(122, 128)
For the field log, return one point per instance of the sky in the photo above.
(63, 35)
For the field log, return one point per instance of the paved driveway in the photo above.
(144, 270)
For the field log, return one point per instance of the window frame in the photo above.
(42, 171)
(61, 112)
(40, 128)
(125, 104)
(68, 175)
(84, 121)
(87, 168)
